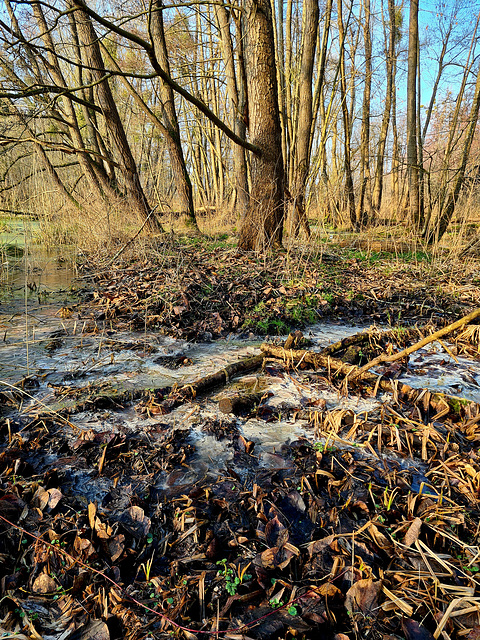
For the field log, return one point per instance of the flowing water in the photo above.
(44, 336)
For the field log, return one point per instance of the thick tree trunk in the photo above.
(262, 227)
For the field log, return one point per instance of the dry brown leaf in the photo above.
(92, 512)
(268, 558)
(116, 546)
(328, 590)
(93, 630)
(44, 584)
(415, 631)
(54, 497)
(275, 533)
(140, 521)
(363, 596)
(103, 531)
(319, 545)
(40, 498)
(83, 547)
(413, 532)
(380, 540)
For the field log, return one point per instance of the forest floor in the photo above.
(362, 524)
(206, 290)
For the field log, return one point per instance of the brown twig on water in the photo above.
(418, 345)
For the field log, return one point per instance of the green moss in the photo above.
(456, 404)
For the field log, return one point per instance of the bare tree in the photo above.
(412, 151)
(262, 226)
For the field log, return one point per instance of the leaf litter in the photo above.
(315, 506)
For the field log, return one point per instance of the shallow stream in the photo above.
(45, 336)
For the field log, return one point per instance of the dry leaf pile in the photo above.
(367, 529)
(194, 293)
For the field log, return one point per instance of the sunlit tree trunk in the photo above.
(310, 20)
(174, 145)
(91, 50)
(412, 151)
(389, 95)
(364, 209)
(262, 227)
(240, 180)
(347, 157)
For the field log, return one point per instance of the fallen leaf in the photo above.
(268, 558)
(363, 596)
(92, 512)
(93, 630)
(328, 590)
(320, 545)
(54, 497)
(44, 584)
(413, 532)
(40, 498)
(116, 546)
(415, 631)
(275, 533)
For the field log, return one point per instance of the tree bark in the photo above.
(91, 49)
(180, 174)
(310, 18)
(454, 193)
(412, 151)
(262, 227)
(240, 200)
(382, 138)
(363, 212)
(347, 160)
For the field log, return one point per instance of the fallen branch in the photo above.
(173, 397)
(418, 345)
(439, 402)
(239, 403)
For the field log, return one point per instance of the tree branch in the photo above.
(150, 51)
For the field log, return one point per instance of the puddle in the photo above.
(35, 284)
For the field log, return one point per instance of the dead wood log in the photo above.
(349, 341)
(418, 345)
(174, 396)
(157, 400)
(441, 403)
(239, 403)
(317, 361)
